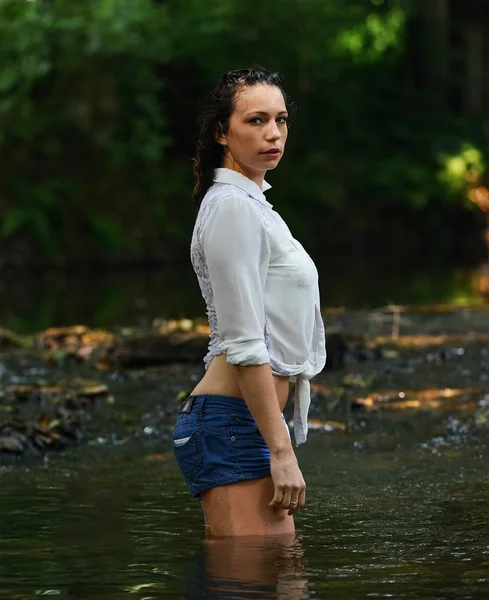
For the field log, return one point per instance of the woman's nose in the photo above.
(273, 132)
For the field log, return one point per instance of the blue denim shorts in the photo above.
(218, 442)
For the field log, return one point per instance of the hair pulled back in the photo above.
(214, 121)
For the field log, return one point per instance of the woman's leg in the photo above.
(242, 509)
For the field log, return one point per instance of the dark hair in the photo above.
(214, 120)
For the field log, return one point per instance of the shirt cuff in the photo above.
(250, 352)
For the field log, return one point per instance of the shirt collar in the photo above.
(223, 175)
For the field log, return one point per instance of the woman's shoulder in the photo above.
(224, 199)
(225, 191)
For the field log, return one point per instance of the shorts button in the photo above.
(233, 438)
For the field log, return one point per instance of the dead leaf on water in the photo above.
(202, 329)
(158, 457)
(105, 364)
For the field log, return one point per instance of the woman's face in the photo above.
(257, 132)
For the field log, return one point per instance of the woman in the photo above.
(261, 291)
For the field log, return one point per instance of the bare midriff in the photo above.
(220, 379)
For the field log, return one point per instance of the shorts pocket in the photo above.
(251, 451)
(247, 419)
(243, 426)
(187, 449)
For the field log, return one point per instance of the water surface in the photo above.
(397, 508)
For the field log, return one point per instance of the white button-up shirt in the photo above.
(260, 287)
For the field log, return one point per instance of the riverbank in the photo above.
(63, 386)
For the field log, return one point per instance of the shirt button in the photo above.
(233, 438)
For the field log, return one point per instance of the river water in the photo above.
(397, 508)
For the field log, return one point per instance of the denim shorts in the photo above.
(218, 442)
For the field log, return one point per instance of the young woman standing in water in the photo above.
(261, 290)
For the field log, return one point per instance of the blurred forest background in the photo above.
(99, 100)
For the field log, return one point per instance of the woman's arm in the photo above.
(258, 390)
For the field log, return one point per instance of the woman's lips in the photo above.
(272, 153)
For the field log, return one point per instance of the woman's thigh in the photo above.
(242, 508)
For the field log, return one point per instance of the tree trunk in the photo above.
(434, 18)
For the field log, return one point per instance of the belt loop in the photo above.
(201, 407)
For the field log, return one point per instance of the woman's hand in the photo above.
(289, 484)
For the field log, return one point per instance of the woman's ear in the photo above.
(219, 135)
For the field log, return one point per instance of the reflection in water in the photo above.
(249, 567)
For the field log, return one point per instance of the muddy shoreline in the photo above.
(63, 386)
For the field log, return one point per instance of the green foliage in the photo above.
(98, 101)
(371, 39)
(461, 169)
(81, 119)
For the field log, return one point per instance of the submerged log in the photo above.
(146, 350)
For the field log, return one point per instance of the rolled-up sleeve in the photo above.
(237, 253)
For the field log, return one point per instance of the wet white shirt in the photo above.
(260, 287)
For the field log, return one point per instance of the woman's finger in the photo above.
(294, 504)
(286, 498)
(277, 498)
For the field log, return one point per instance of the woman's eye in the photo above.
(258, 121)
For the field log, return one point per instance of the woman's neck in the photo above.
(255, 176)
